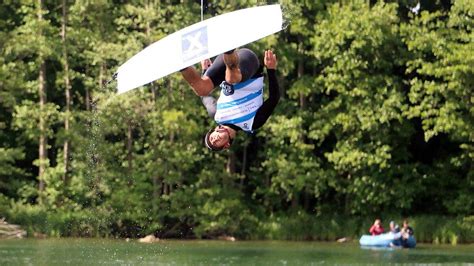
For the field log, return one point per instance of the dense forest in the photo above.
(376, 120)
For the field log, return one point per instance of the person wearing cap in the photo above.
(394, 228)
(240, 106)
(395, 231)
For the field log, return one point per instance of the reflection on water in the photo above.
(171, 252)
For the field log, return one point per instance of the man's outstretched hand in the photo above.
(270, 60)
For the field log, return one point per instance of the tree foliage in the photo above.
(376, 117)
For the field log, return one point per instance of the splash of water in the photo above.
(92, 151)
(288, 12)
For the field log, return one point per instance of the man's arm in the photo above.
(269, 105)
(264, 112)
(202, 86)
(208, 101)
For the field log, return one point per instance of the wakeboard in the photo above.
(197, 42)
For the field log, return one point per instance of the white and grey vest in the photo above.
(240, 107)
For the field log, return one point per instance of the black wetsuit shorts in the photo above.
(249, 66)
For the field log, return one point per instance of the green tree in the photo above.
(10, 153)
(441, 69)
(358, 115)
(36, 53)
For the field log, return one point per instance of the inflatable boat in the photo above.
(387, 240)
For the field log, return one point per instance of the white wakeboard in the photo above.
(197, 42)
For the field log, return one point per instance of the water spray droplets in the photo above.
(288, 14)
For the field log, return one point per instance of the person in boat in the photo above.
(406, 231)
(376, 228)
(394, 228)
(240, 106)
(395, 231)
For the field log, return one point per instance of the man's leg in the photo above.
(244, 59)
(232, 71)
(249, 64)
(202, 86)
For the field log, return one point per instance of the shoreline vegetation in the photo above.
(428, 229)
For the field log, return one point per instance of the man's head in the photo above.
(218, 139)
(405, 223)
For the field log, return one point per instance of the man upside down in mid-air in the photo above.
(240, 105)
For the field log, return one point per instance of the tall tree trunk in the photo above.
(102, 70)
(150, 6)
(168, 184)
(67, 87)
(43, 141)
(230, 166)
(154, 93)
(87, 100)
(155, 178)
(295, 200)
(165, 188)
(129, 146)
(156, 191)
(301, 71)
(244, 163)
(302, 100)
(306, 199)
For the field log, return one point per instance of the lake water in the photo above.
(174, 252)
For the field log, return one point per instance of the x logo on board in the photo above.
(194, 44)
